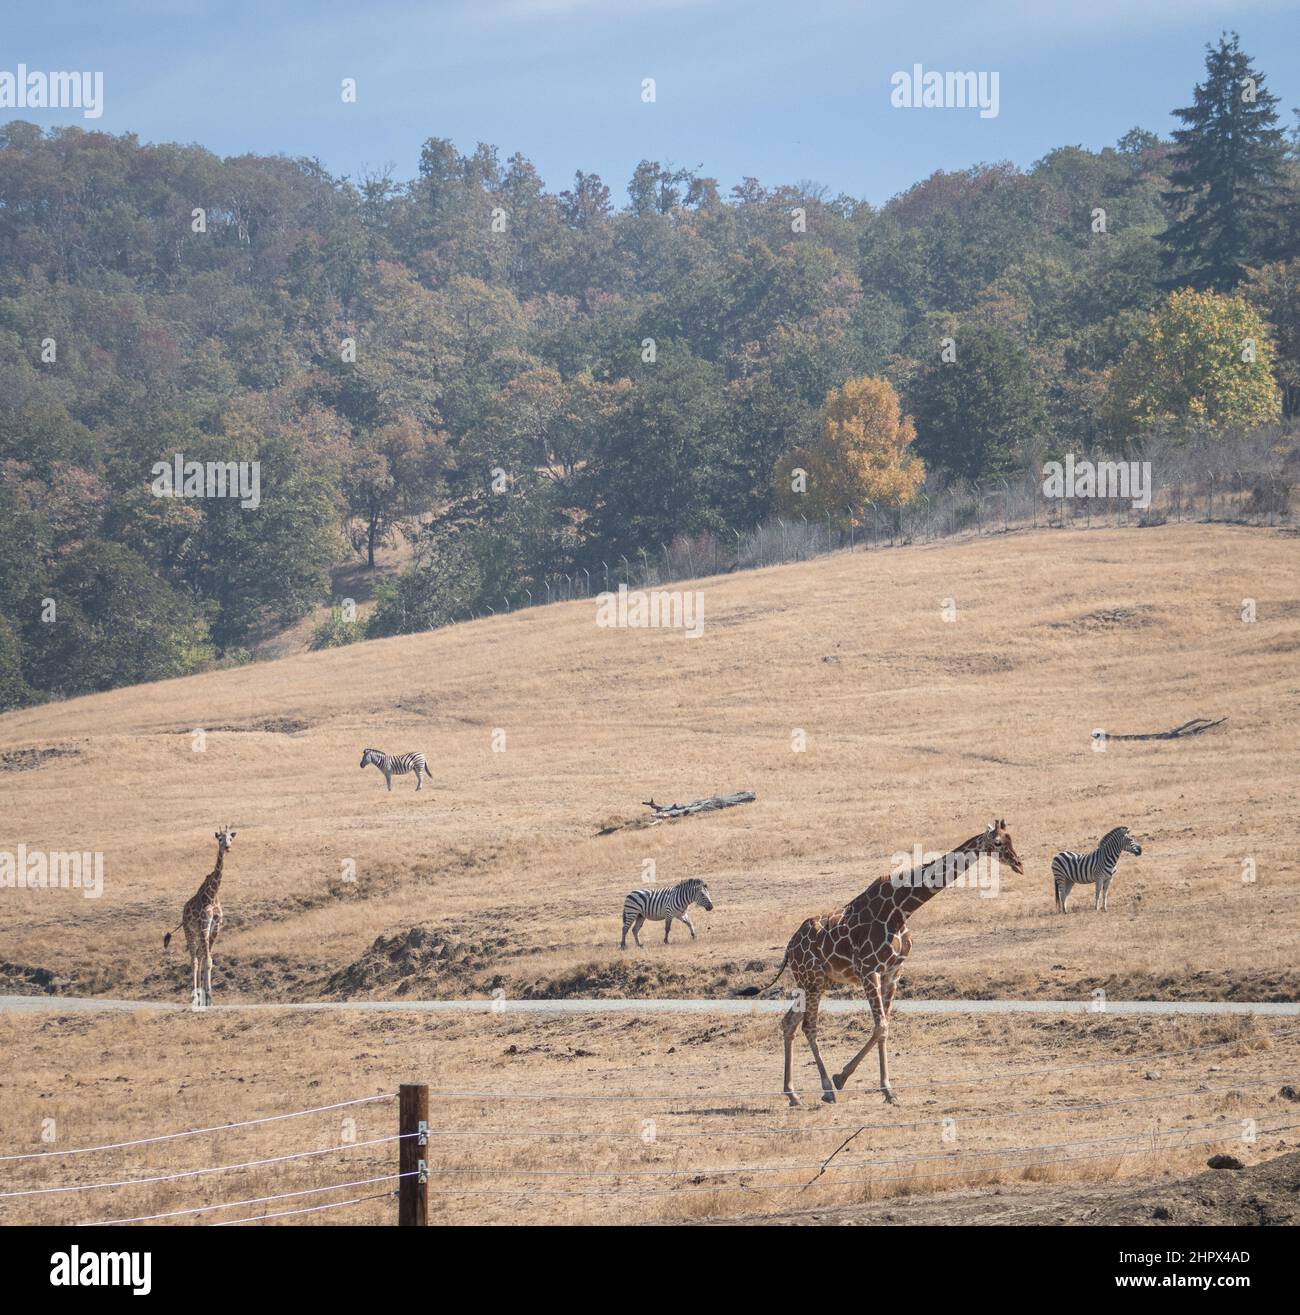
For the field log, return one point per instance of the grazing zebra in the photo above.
(398, 765)
(1070, 869)
(663, 905)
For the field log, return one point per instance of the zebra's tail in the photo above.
(758, 990)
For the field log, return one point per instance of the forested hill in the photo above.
(533, 379)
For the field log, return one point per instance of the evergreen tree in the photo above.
(1228, 175)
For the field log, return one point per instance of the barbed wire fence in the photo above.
(1248, 482)
(462, 1170)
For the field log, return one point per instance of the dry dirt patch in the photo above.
(1265, 1194)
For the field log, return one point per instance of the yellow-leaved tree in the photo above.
(863, 454)
(1203, 359)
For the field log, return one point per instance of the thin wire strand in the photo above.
(196, 1132)
(253, 1200)
(588, 1134)
(971, 1170)
(509, 1172)
(220, 1168)
(306, 1210)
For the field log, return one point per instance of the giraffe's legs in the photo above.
(207, 976)
(889, 983)
(872, 985)
(880, 1003)
(811, 1006)
(789, 1026)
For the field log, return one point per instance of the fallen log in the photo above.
(662, 812)
(1193, 727)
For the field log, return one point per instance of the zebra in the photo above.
(397, 765)
(1070, 869)
(663, 905)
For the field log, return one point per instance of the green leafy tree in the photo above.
(1274, 290)
(115, 623)
(15, 692)
(393, 473)
(486, 550)
(270, 562)
(657, 468)
(979, 414)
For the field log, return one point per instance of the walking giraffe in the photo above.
(201, 920)
(866, 942)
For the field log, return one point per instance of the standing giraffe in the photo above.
(866, 942)
(201, 919)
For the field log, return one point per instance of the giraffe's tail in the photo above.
(758, 990)
(167, 939)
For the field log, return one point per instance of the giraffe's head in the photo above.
(225, 837)
(997, 841)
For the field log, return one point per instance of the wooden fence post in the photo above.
(413, 1124)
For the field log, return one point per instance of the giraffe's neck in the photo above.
(212, 882)
(909, 891)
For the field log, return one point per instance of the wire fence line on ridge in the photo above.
(1250, 486)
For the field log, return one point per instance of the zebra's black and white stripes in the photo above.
(398, 765)
(1070, 869)
(663, 905)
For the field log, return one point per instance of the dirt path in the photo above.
(1267, 1194)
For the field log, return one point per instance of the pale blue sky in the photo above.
(786, 90)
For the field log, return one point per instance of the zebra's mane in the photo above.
(1116, 833)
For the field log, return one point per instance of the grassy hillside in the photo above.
(918, 730)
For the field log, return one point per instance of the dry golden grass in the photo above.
(917, 731)
(618, 1120)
